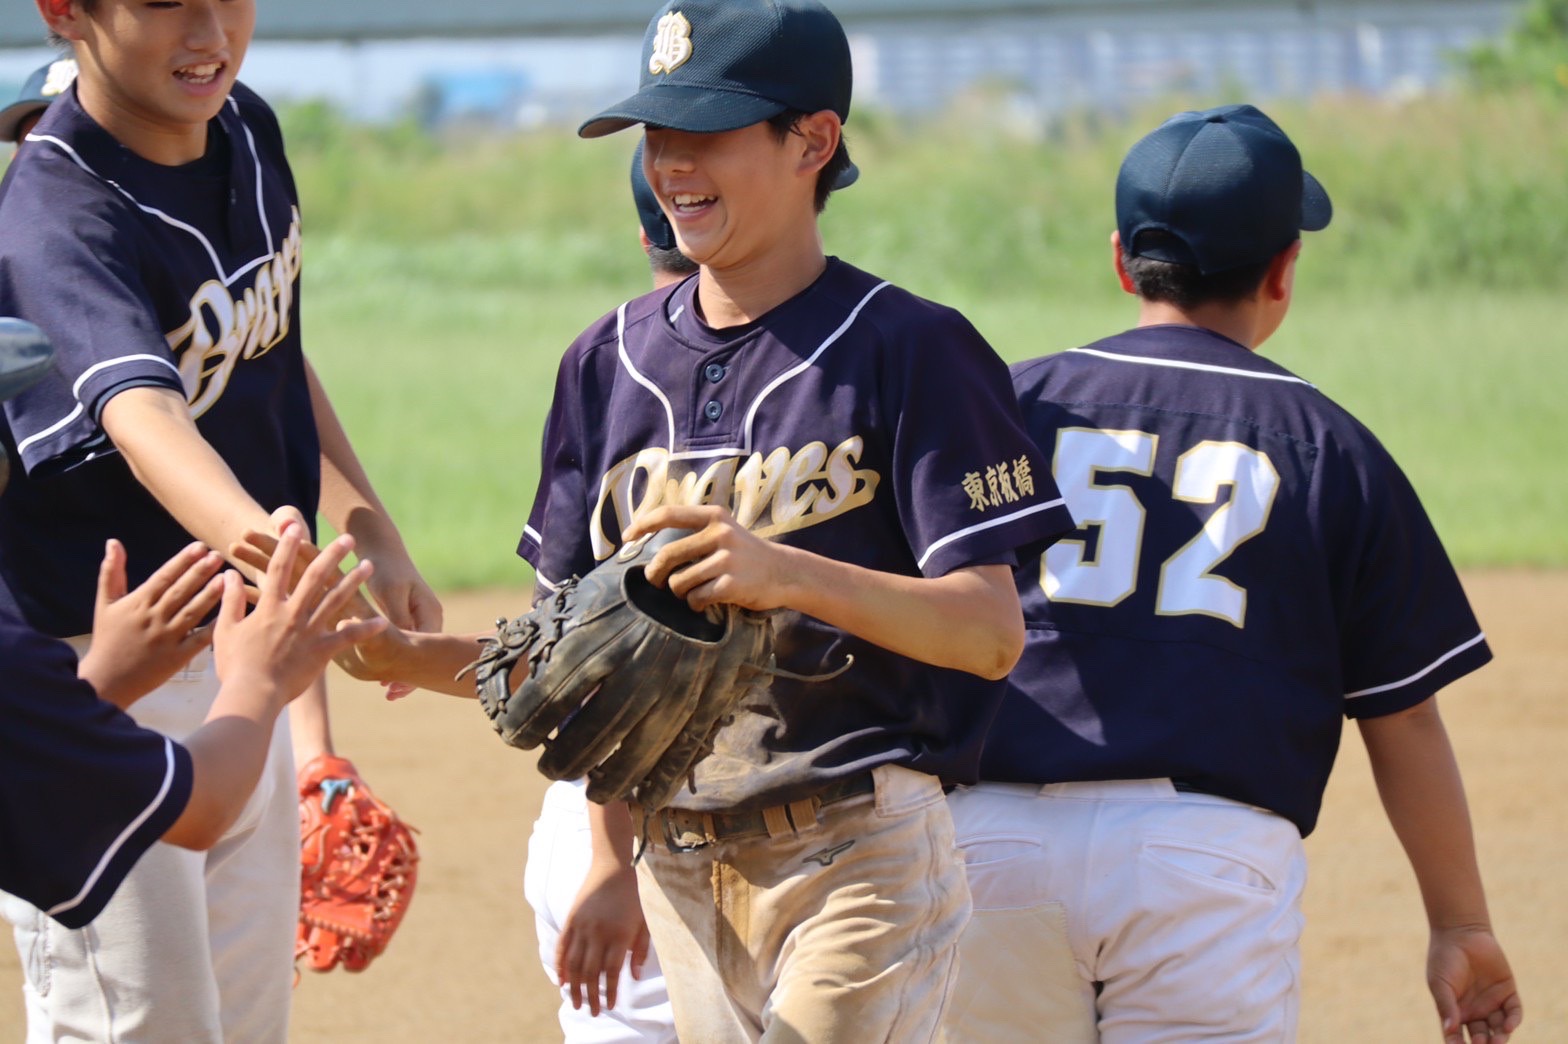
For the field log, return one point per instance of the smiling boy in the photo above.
(153, 235)
(801, 416)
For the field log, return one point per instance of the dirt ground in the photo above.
(465, 966)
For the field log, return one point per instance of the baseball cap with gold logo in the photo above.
(718, 65)
(43, 86)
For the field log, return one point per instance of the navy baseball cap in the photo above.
(25, 356)
(718, 65)
(1225, 184)
(42, 87)
(651, 216)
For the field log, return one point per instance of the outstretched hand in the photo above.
(295, 629)
(141, 637)
(605, 926)
(1473, 986)
(374, 657)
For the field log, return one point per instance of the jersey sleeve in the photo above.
(556, 540)
(86, 790)
(970, 484)
(69, 263)
(1407, 628)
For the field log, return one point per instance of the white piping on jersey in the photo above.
(626, 361)
(1423, 672)
(530, 531)
(677, 316)
(545, 582)
(255, 158)
(991, 523)
(1205, 367)
(76, 390)
(56, 426)
(119, 842)
(228, 278)
(751, 414)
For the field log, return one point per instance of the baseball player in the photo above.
(796, 413)
(153, 234)
(1250, 568)
(577, 905)
(44, 85)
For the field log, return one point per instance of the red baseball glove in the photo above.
(358, 865)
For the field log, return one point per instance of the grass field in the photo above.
(443, 386)
(443, 281)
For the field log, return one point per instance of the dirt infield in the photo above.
(464, 967)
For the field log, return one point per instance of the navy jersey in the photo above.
(185, 278)
(84, 790)
(1250, 567)
(855, 421)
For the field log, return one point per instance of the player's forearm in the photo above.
(432, 661)
(310, 723)
(1418, 780)
(968, 620)
(611, 834)
(227, 753)
(153, 431)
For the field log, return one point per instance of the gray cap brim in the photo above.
(25, 356)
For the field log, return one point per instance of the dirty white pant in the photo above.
(845, 932)
(194, 947)
(1126, 912)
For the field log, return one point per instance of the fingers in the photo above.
(672, 563)
(249, 554)
(352, 632)
(175, 569)
(286, 514)
(192, 594)
(673, 516)
(280, 569)
(639, 951)
(111, 573)
(189, 616)
(232, 609)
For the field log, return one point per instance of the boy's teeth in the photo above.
(684, 200)
(199, 72)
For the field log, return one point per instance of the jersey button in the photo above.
(714, 410)
(714, 372)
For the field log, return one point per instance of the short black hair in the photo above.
(785, 124)
(671, 260)
(1185, 286)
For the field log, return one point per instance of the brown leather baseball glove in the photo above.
(358, 866)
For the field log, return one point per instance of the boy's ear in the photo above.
(1119, 263)
(1281, 276)
(61, 16)
(820, 134)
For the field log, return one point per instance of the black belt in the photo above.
(682, 830)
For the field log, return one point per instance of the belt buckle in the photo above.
(684, 840)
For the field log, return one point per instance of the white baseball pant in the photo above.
(194, 947)
(559, 852)
(1123, 912)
